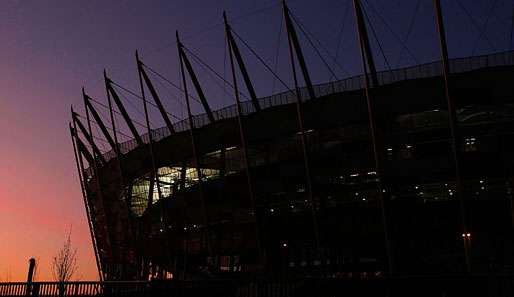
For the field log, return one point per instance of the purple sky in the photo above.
(50, 49)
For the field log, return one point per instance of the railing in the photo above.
(359, 284)
(427, 70)
(71, 288)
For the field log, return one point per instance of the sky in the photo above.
(50, 49)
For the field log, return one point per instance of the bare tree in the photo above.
(64, 264)
(7, 275)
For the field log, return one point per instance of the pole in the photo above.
(243, 137)
(367, 58)
(150, 137)
(303, 141)
(30, 276)
(80, 171)
(193, 142)
(98, 184)
(452, 118)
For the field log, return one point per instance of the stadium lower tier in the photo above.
(321, 211)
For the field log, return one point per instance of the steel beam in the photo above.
(123, 111)
(185, 61)
(240, 62)
(453, 123)
(98, 119)
(88, 137)
(150, 137)
(364, 43)
(293, 39)
(182, 61)
(80, 172)
(155, 96)
(383, 193)
(308, 178)
(242, 134)
(83, 149)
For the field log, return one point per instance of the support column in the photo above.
(453, 122)
(242, 135)
(193, 142)
(80, 171)
(294, 45)
(383, 193)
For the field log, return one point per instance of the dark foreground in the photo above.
(471, 285)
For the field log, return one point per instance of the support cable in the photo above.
(261, 60)
(341, 32)
(511, 27)
(377, 39)
(103, 151)
(170, 83)
(103, 141)
(170, 93)
(277, 53)
(475, 23)
(377, 12)
(219, 84)
(140, 98)
(409, 32)
(306, 33)
(225, 63)
(488, 17)
(132, 104)
(96, 124)
(117, 112)
(205, 65)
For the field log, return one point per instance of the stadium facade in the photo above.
(407, 171)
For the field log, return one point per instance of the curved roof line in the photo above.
(427, 70)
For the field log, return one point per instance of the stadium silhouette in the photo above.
(399, 172)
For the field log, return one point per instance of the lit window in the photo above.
(163, 187)
(470, 144)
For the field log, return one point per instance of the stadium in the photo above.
(405, 172)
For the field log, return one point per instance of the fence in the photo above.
(427, 70)
(420, 286)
